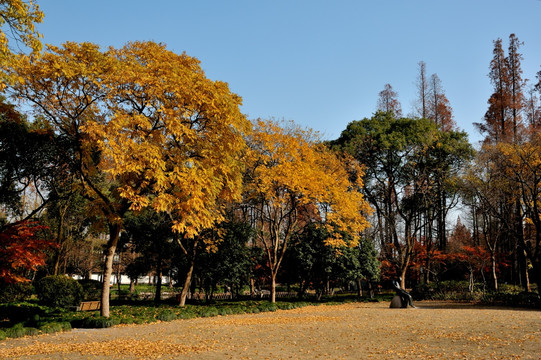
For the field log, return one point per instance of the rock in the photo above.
(396, 302)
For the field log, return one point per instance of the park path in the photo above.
(435, 330)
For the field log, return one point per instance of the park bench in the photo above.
(89, 305)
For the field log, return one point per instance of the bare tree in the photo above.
(388, 101)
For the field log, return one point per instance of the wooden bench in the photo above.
(89, 305)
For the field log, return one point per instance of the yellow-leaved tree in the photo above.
(17, 30)
(293, 180)
(178, 134)
(147, 128)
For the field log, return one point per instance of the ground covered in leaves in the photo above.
(435, 330)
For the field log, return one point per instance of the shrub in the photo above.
(59, 291)
(267, 307)
(20, 291)
(523, 299)
(225, 311)
(16, 331)
(187, 315)
(30, 331)
(50, 328)
(91, 289)
(166, 315)
(54, 327)
(2, 335)
(209, 312)
(286, 306)
(21, 312)
(19, 330)
(97, 323)
(443, 290)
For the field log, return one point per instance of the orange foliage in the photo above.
(21, 249)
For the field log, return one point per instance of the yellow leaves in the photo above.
(149, 119)
(290, 170)
(20, 17)
(141, 349)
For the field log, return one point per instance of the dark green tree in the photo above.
(149, 234)
(230, 262)
(409, 170)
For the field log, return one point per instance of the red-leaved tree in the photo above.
(21, 250)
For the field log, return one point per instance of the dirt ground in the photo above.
(434, 330)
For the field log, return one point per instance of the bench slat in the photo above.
(89, 305)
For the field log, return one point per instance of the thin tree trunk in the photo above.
(493, 268)
(359, 288)
(187, 282)
(158, 296)
(118, 276)
(114, 233)
(59, 241)
(273, 287)
(252, 287)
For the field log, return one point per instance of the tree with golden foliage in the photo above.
(292, 180)
(17, 27)
(148, 129)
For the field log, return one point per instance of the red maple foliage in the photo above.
(21, 248)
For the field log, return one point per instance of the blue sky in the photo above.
(319, 63)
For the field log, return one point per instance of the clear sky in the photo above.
(319, 63)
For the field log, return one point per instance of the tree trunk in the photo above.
(59, 241)
(537, 274)
(187, 282)
(252, 287)
(118, 276)
(493, 268)
(359, 288)
(273, 287)
(403, 277)
(114, 233)
(523, 268)
(158, 296)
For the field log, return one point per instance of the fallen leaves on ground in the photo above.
(143, 349)
(350, 331)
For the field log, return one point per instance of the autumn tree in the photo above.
(17, 31)
(180, 138)
(439, 109)
(431, 102)
(292, 181)
(522, 165)
(22, 249)
(388, 101)
(504, 124)
(466, 251)
(516, 85)
(503, 120)
(491, 193)
(147, 128)
(496, 124)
